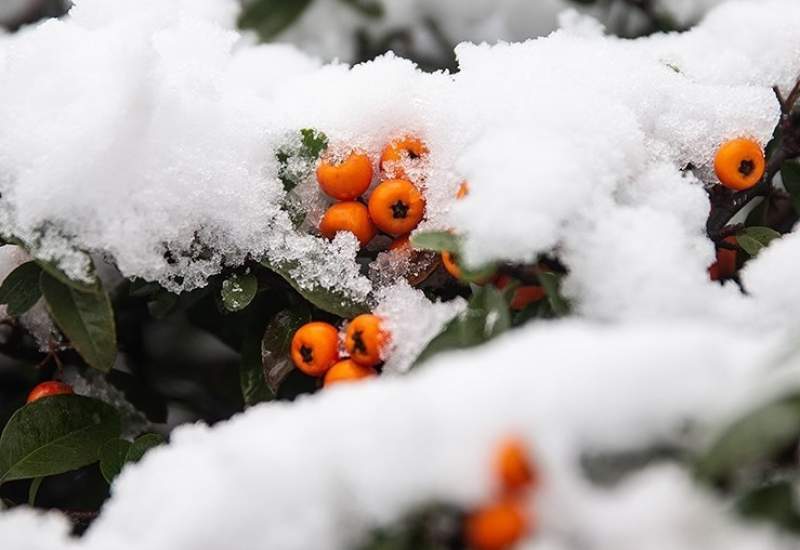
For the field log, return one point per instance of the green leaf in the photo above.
(774, 502)
(749, 244)
(141, 445)
(790, 174)
(369, 8)
(20, 289)
(86, 318)
(764, 235)
(238, 291)
(551, 283)
(314, 143)
(332, 301)
(54, 435)
(752, 439)
(112, 458)
(162, 303)
(438, 241)
(486, 317)
(271, 17)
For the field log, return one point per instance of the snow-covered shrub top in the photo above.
(161, 155)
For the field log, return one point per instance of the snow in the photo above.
(145, 131)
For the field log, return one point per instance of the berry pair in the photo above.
(315, 349)
(395, 206)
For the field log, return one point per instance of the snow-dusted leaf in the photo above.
(749, 244)
(764, 235)
(438, 241)
(86, 318)
(238, 291)
(55, 435)
(20, 289)
(486, 317)
(331, 301)
(551, 283)
(369, 8)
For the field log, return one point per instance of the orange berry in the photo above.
(346, 180)
(365, 340)
(315, 348)
(396, 206)
(449, 263)
(739, 163)
(513, 467)
(348, 371)
(46, 389)
(497, 526)
(348, 216)
(725, 266)
(400, 152)
(463, 190)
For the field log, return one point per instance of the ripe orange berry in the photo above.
(739, 163)
(365, 340)
(449, 263)
(463, 190)
(400, 151)
(396, 206)
(725, 266)
(513, 467)
(497, 526)
(346, 180)
(347, 371)
(348, 216)
(315, 348)
(46, 389)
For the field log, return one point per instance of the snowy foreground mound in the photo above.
(320, 472)
(133, 129)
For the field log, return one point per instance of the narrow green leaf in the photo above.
(54, 435)
(271, 17)
(33, 490)
(141, 445)
(328, 300)
(551, 283)
(20, 289)
(438, 241)
(749, 244)
(86, 318)
(112, 458)
(276, 344)
(238, 291)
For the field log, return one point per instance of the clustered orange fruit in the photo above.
(47, 389)
(395, 206)
(739, 163)
(315, 349)
(502, 522)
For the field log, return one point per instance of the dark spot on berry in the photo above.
(412, 155)
(307, 354)
(358, 342)
(746, 167)
(399, 210)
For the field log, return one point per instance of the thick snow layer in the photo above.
(319, 472)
